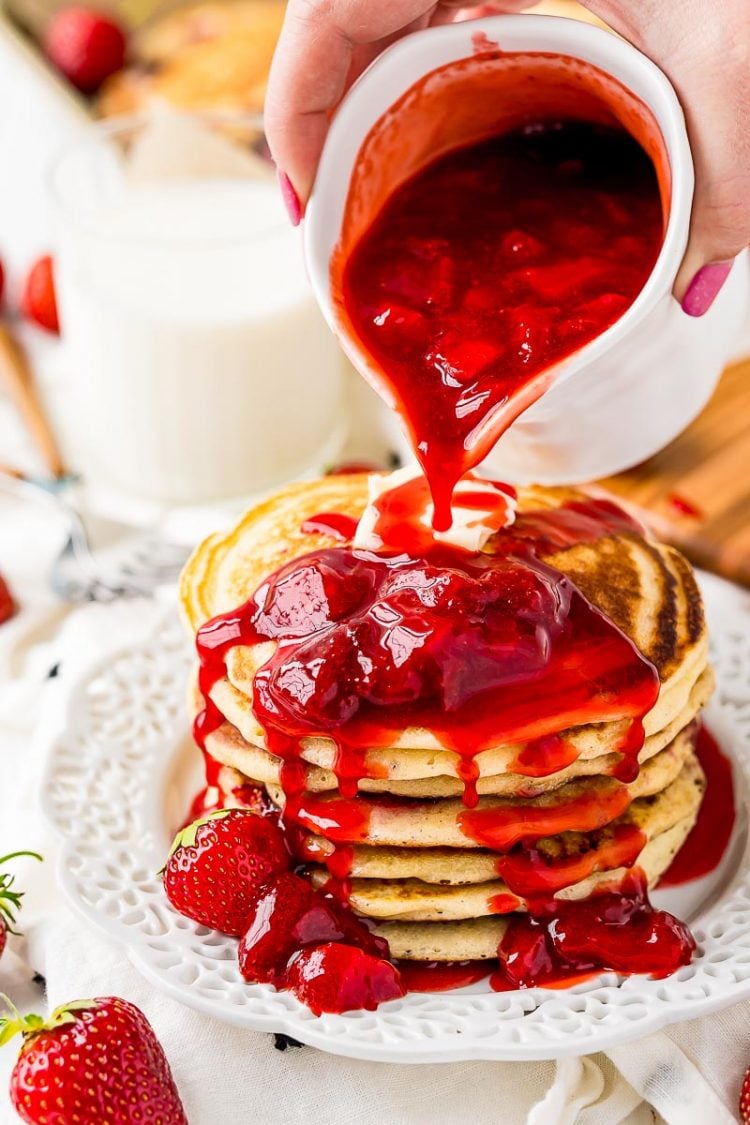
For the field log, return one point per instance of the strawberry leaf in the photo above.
(186, 837)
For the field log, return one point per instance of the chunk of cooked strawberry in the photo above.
(289, 915)
(341, 978)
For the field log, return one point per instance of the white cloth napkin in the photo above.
(688, 1074)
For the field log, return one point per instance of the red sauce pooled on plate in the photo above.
(489, 266)
(710, 835)
(440, 976)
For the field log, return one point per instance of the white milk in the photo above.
(203, 367)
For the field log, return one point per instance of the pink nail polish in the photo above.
(704, 288)
(290, 197)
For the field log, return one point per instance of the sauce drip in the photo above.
(535, 877)
(489, 266)
(501, 828)
(402, 513)
(615, 929)
(710, 835)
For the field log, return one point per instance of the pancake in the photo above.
(646, 589)
(477, 939)
(462, 866)
(226, 745)
(211, 55)
(424, 867)
(401, 822)
(420, 898)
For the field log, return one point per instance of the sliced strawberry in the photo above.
(460, 359)
(289, 915)
(218, 864)
(38, 301)
(86, 45)
(340, 978)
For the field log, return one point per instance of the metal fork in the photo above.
(77, 575)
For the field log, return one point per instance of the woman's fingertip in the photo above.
(705, 287)
(290, 197)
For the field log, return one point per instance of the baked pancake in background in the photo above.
(442, 846)
(213, 55)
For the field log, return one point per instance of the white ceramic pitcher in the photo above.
(631, 390)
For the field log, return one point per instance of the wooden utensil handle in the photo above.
(16, 375)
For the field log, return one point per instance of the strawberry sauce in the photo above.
(532, 875)
(616, 928)
(480, 649)
(491, 265)
(441, 976)
(710, 835)
(502, 827)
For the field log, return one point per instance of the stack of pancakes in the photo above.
(434, 892)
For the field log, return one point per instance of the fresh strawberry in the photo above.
(2, 281)
(38, 302)
(289, 915)
(217, 865)
(745, 1100)
(340, 978)
(91, 1061)
(7, 602)
(86, 45)
(10, 900)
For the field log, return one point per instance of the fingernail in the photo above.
(704, 288)
(290, 197)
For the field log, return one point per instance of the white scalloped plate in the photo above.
(118, 778)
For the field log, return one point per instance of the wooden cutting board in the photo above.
(696, 492)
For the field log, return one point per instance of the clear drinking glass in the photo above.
(203, 369)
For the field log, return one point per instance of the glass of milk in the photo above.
(203, 369)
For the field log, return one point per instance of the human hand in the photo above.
(325, 45)
(704, 49)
